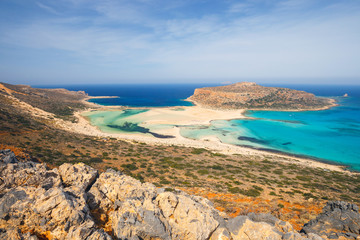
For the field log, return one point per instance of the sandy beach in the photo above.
(194, 115)
(186, 116)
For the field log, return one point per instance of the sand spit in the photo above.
(172, 116)
(189, 116)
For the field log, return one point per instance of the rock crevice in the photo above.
(76, 202)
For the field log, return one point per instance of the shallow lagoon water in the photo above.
(332, 135)
(115, 121)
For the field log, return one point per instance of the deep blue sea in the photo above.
(330, 135)
(139, 95)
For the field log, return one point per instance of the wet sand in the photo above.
(189, 116)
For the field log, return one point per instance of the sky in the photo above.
(179, 41)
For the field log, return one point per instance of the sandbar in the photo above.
(192, 115)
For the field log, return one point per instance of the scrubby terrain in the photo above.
(76, 202)
(248, 95)
(236, 184)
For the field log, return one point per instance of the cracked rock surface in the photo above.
(76, 202)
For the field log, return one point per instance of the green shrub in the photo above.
(203, 171)
(304, 178)
(164, 182)
(217, 167)
(198, 150)
(129, 166)
(234, 190)
(95, 160)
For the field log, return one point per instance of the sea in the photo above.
(331, 135)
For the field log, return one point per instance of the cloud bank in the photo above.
(120, 41)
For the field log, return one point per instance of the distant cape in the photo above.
(249, 95)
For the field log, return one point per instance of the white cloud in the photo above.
(47, 8)
(128, 40)
(239, 8)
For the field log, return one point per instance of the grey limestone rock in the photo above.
(78, 175)
(282, 226)
(7, 156)
(337, 219)
(27, 174)
(15, 234)
(75, 202)
(242, 227)
(189, 217)
(8, 200)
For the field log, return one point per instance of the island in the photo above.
(50, 152)
(249, 95)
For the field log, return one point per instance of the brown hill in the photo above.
(252, 96)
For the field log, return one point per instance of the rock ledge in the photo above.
(76, 202)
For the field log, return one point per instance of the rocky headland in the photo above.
(249, 95)
(78, 202)
(75, 201)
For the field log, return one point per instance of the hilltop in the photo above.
(249, 95)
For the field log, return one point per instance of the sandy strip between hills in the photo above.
(189, 116)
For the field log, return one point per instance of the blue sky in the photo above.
(180, 41)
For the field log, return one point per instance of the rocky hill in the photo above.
(61, 103)
(249, 95)
(78, 202)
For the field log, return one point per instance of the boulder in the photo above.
(281, 226)
(27, 174)
(338, 219)
(188, 217)
(136, 219)
(15, 234)
(7, 156)
(242, 227)
(78, 175)
(75, 202)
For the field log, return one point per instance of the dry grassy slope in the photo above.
(61, 102)
(236, 183)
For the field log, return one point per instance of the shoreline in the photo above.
(332, 103)
(83, 126)
(210, 143)
(100, 97)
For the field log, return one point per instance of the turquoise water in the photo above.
(114, 121)
(330, 135)
(124, 121)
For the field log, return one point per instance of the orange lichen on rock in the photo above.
(235, 204)
(17, 151)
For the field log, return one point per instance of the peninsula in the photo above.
(249, 95)
(46, 125)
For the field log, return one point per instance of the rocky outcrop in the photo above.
(76, 202)
(7, 156)
(338, 219)
(252, 96)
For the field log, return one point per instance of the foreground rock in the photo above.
(252, 96)
(75, 202)
(338, 219)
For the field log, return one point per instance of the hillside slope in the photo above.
(76, 202)
(248, 95)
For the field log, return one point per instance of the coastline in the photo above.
(332, 103)
(83, 126)
(205, 116)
